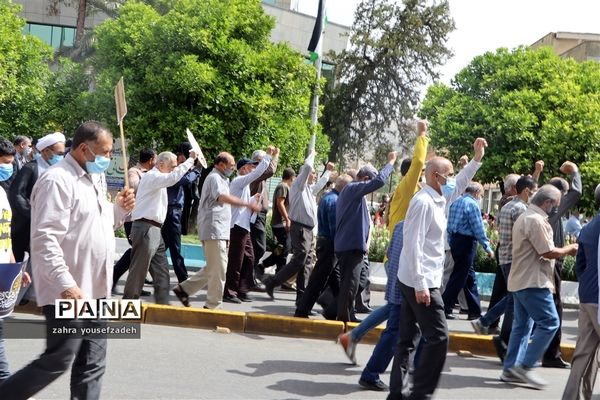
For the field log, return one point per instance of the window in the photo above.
(55, 36)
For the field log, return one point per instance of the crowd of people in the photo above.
(64, 218)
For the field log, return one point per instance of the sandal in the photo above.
(182, 295)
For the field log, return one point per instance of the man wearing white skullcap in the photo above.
(51, 150)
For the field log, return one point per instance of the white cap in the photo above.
(50, 140)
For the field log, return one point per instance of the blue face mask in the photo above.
(55, 158)
(98, 166)
(448, 187)
(6, 171)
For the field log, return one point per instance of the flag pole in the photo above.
(319, 29)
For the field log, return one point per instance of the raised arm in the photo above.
(468, 172)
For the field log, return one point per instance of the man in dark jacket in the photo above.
(352, 231)
(52, 150)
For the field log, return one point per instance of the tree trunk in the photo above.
(81, 11)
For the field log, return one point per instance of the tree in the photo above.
(24, 74)
(208, 65)
(529, 105)
(394, 51)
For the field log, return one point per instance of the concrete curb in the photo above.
(267, 324)
(290, 326)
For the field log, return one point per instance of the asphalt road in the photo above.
(181, 363)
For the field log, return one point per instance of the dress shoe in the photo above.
(231, 299)
(555, 363)
(244, 297)
(472, 317)
(145, 293)
(363, 309)
(148, 282)
(377, 386)
(300, 315)
(451, 316)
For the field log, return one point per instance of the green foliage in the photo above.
(208, 65)
(568, 269)
(395, 50)
(484, 263)
(23, 75)
(378, 243)
(529, 105)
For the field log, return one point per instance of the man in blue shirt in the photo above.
(325, 249)
(352, 231)
(584, 364)
(171, 229)
(465, 229)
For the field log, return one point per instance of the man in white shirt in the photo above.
(72, 251)
(240, 258)
(420, 275)
(147, 245)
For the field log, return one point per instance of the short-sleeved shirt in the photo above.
(214, 217)
(282, 190)
(532, 237)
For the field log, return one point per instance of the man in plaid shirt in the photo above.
(465, 229)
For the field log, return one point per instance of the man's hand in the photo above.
(423, 297)
(193, 154)
(392, 155)
(276, 152)
(464, 160)
(329, 166)
(126, 199)
(422, 126)
(539, 166)
(490, 254)
(271, 150)
(26, 279)
(255, 205)
(72, 293)
(568, 168)
(479, 146)
(287, 225)
(572, 249)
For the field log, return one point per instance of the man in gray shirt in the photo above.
(303, 214)
(214, 218)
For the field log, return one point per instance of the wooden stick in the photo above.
(124, 151)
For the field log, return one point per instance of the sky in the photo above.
(485, 25)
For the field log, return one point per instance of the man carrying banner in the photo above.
(72, 247)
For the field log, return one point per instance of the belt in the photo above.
(149, 221)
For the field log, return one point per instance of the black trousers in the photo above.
(171, 233)
(463, 275)
(259, 236)
(319, 276)
(122, 265)
(277, 257)
(86, 357)
(498, 290)
(432, 355)
(553, 351)
(240, 262)
(351, 263)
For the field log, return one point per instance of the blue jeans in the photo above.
(386, 346)
(494, 313)
(377, 316)
(4, 372)
(531, 305)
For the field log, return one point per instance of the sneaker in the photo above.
(528, 376)
(508, 377)
(478, 327)
(348, 345)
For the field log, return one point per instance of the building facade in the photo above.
(579, 46)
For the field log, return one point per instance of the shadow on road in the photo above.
(270, 367)
(314, 389)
